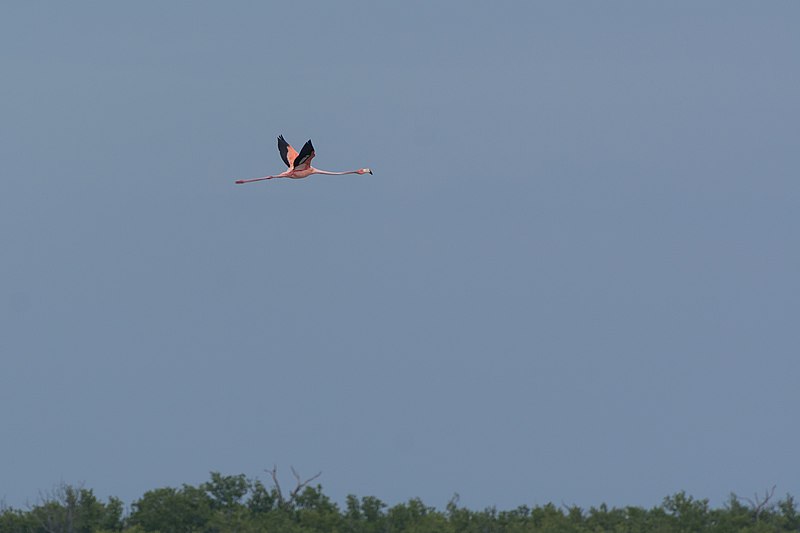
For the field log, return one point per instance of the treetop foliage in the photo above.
(226, 504)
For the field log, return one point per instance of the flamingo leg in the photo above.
(255, 179)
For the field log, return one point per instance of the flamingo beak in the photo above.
(370, 172)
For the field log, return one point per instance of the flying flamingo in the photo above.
(300, 164)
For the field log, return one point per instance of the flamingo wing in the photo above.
(288, 154)
(303, 160)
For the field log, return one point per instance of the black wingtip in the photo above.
(283, 148)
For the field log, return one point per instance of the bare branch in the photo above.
(758, 504)
(58, 508)
(299, 486)
(274, 474)
(569, 508)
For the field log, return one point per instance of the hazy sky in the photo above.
(574, 276)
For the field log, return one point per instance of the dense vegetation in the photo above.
(236, 504)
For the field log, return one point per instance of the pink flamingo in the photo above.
(300, 164)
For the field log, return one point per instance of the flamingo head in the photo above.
(365, 171)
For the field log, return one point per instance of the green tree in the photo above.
(689, 514)
(226, 492)
(228, 504)
(184, 510)
(70, 509)
(789, 518)
(261, 500)
(416, 517)
(15, 521)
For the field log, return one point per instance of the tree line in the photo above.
(234, 503)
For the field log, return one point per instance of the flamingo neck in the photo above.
(328, 173)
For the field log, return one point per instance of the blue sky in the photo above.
(572, 278)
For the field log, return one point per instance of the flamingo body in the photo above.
(299, 163)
